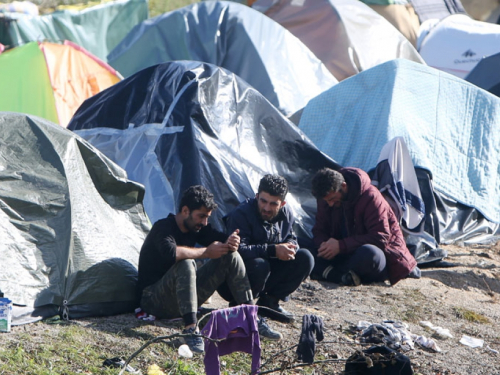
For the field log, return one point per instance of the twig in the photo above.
(162, 338)
(276, 354)
(303, 365)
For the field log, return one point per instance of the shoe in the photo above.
(267, 332)
(415, 273)
(195, 343)
(277, 312)
(350, 279)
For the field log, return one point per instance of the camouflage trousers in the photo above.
(184, 287)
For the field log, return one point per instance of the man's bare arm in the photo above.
(213, 251)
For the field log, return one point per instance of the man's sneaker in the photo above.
(195, 343)
(266, 332)
(277, 312)
(415, 273)
(350, 279)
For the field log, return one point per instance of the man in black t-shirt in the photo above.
(169, 283)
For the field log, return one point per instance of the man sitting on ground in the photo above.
(275, 265)
(169, 283)
(358, 236)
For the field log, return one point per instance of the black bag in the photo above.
(378, 360)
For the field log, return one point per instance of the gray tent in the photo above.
(71, 223)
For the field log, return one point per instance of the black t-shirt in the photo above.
(159, 249)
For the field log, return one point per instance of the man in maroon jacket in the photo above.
(357, 234)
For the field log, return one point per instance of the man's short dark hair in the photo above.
(325, 181)
(196, 197)
(274, 185)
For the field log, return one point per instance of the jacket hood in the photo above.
(357, 181)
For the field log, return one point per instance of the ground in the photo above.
(465, 299)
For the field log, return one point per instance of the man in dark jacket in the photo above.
(358, 237)
(275, 265)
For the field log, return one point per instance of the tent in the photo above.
(451, 128)
(232, 36)
(457, 43)
(71, 224)
(436, 9)
(486, 74)
(51, 80)
(346, 35)
(98, 29)
(179, 124)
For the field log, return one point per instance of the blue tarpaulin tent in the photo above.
(179, 124)
(451, 127)
(232, 36)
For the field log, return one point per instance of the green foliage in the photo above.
(157, 7)
(470, 315)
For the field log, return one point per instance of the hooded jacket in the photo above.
(364, 218)
(258, 238)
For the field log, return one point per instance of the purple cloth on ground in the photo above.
(238, 328)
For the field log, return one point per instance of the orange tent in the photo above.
(51, 80)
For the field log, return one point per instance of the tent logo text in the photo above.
(469, 54)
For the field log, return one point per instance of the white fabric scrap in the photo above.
(442, 333)
(471, 342)
(426, 342)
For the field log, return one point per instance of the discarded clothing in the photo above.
(378, 360)
(393, 334)
(237, 328)
(311, 324)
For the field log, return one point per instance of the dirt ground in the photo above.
(464, 299)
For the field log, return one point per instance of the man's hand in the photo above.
(285, 251)
(216, 250)
(233, 241)
(329, 249)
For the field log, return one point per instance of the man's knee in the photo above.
(304, 260)
(233, 259)
(185, 267)
(258, 267)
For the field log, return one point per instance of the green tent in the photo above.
(98, 29)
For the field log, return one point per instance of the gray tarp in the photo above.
(71, 223)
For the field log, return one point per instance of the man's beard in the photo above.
(266, 217)
(191, 227)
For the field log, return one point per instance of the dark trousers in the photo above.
(275, 277)
(367, 261)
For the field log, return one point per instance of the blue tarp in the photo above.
(235, 37)
(179, 124)
(451, 127)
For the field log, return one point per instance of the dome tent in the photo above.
(234, 37)
(179, 124)
(457, 143)
(51, 80)
(71, 224)
(346, 35)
